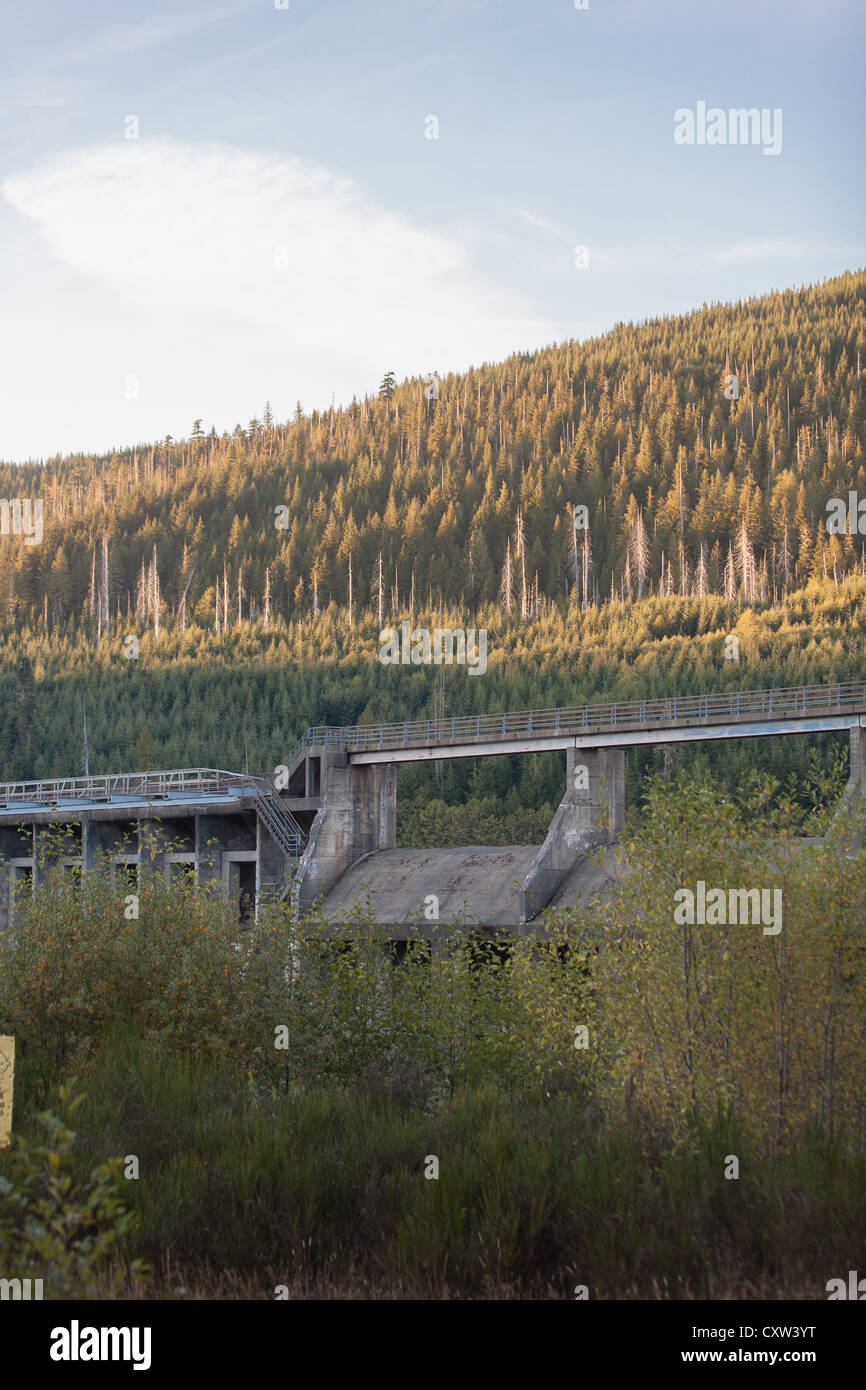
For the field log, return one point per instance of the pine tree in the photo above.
(702, 583)
(639, 551)
(730, 580)
(507, 584)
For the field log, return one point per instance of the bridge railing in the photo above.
(116, 786)
(676, 709)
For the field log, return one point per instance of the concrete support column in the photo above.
(596, 779)
(858, 758)
(47, 852)
(591, 813)
(849, 820)
(358, 815)
(103, 840)
(271, 863)
(16, 848)
(208, 850)
(90, 842)
(154, 841)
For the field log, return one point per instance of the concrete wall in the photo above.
(358, 815)
(215, 844)
(849, 817)
(858, 758)
(591, 813)
(271, 863)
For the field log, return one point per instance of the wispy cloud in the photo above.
(112, 41)
(272, 248)
(535, 221)
(744, 252)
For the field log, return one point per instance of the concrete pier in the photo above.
(850, 817)
(591, 813)
(330, 810)
(358, 816)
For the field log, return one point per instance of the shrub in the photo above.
(53, 1225)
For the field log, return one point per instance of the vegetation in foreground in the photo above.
(303, 1165)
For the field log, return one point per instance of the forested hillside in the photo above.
(680, 483)
(257, 567)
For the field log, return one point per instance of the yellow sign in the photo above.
(7, 1075)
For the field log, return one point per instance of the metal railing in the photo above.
(670, 710)
(279, 821)
(276, 893)
(801, 700)
(150, 786)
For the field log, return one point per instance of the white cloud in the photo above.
(743, 252)
(191, 238)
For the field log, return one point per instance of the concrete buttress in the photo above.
(591, 813)
(358, 815)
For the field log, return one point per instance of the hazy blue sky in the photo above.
(282, 228)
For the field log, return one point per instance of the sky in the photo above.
(211, 204)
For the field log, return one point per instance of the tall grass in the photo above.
(325, 1189)
(283, 1089)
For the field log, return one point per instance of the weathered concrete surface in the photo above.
(849, 817)
(589, 879)
(591, 813)
(358, 816)
(858, 759)
(477, 885)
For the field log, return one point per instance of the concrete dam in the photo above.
(322, 829)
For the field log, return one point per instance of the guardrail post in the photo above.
(530, 721)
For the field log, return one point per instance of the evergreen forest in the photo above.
(609, 511)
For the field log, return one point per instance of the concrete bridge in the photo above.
(329, 818)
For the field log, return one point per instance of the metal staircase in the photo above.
(288, 835)
(277, 892)
(279, 821)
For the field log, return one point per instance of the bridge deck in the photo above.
(129, 790)
(734, 714)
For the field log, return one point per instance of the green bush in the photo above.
(55, 1225)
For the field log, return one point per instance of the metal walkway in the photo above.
(204, 784)
(734, 714)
